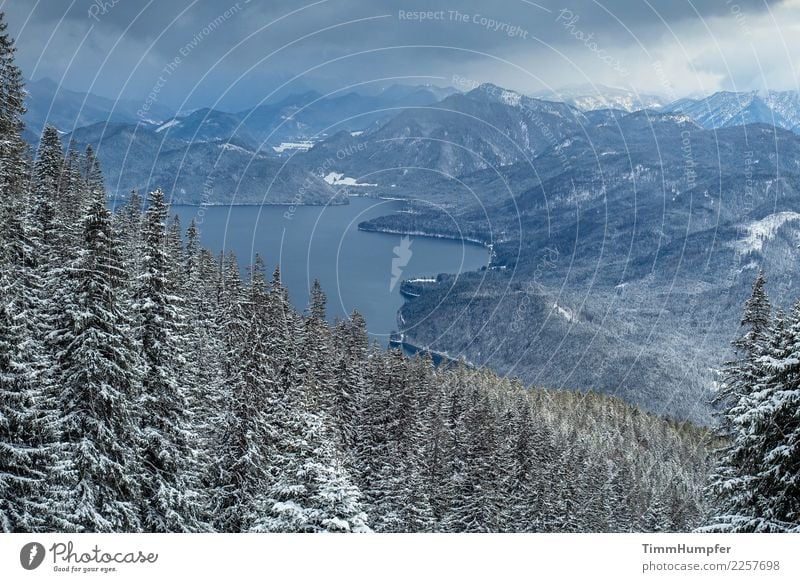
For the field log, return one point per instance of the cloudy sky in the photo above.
(233, 54)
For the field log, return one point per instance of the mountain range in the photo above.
(593, 97)
(211, 156)
(727, 109)
(623, 242)
(47, 102)
(442, 130)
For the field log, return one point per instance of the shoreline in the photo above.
(399, 341)
(487, 245)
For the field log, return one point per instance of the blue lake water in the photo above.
(354, 267)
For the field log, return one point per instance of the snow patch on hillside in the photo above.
(337, 179)
(167, 125)
(302, 146)
(233, 148)
(510, 98)
(765, 229)
(563, 312)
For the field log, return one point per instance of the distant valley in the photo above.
(625, 231)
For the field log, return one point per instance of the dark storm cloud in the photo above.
(197, 50)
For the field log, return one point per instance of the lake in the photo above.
(354, 267)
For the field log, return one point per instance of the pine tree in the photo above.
(94, 483)
(14, 232)
(309, 488)
(13, 150)
(242, 466)
(52, 247)
(437, 462)
(47, 176)
(92, 175)
(71, 184)
(375, 443)
(416, 512)
(203, 348)
(173, 246)
(474, 508)
(518, 465)
(773, 421)
(27, 431)
(756, 487)
(24, 404)
(318, 351)
(655, 518)
(349, 385)
(129, 228)
(24, 454)
(311, 491)
(167, 487)
(741, 373)
(69, 206)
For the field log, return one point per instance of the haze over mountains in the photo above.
(462, 132)
(210, 156)
(625, 232)
(594, 97)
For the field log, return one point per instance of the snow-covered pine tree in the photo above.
(24, 404)
(200, 274)
(733, 485)
(350, 341)
(319, 353)
(69, 206)
(204, 345)
(168, 491)
(24, 434)
(518, 466)
(621, 491)
(755, 384)
(375, 441)
(46, 181)
(309, 489)
(13, 149)
(395, 486)
(655, 518)
(94, 484)
(437, 447)
(455, 455)
(773, 421)
(128, 223)
(244, 432)
(416, 512)
(71, 185)
(566, 492)
(317, 304)
(53, 241)
(741, 373)
(173, 245)
(474, 507)
(92, 175)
